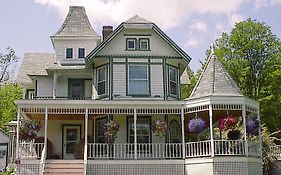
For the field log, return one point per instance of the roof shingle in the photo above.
(76, 23)
(215, 81)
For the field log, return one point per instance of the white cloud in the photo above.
(199, 26)
(192, 42)
(165, 13)
(265, 3)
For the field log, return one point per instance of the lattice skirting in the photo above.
(225, 166)
(28, 167)
(136, 169)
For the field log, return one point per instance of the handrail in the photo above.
(85, 158)
(42, 161)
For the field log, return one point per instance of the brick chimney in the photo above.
(106, 30)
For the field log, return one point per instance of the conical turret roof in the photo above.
(215, 81)
(76, 23)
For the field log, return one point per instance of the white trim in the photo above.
(182, 133)
(244, 129)
(211, 131)
(135, 135)
(105, 80)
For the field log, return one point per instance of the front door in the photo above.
(71, 137)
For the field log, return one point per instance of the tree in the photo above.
(8, 110)
(6, 60)
(251, 54)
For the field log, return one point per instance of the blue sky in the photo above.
(26, 25)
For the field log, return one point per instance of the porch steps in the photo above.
(64, 167)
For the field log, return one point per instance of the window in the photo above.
(69, 53)
(131, 44)
(76, 88)
(101, 80)
(138, 80)
(173, 81)
(143, 129)
(81, 53)
(144, 43)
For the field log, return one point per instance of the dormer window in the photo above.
(69, 53)
(144, 43)
(131, 44)
(81, 53)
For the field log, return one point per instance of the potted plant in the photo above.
(196, 125)
(29, 130)
(159, 128)
(252, 126)
(228, 121)
(111, 130)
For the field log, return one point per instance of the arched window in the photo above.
(174, 132)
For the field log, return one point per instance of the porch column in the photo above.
(18, 135)
(260, 137)
(135, 134)
(211, 131)
(46, 129)
(245, 132)
(86, 134)
(55, 85)
(182, 133)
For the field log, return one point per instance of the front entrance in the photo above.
(71, 137)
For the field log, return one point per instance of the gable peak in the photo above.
(137, 19)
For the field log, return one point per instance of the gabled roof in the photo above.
(215, 81)
(34, 64)
(76, 23)
(138, 20)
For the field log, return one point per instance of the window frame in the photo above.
(172, 81)
(97, 120)
(67, 51)
(84, 52)
(127, 44)
(144, 40)
(105, 79)
(129, 93)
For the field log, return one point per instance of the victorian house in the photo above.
(112, 104)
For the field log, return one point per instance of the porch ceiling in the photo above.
(61, 116)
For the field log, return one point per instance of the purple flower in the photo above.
(252, 126)
(196, 125)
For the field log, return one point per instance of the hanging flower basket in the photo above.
(233, 134)
(252, 126)
(228, 122)
(111, 130)
(159, 128)
(29, 130)
(196, 125)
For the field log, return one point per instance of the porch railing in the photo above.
(31, 150)
(229, 147)
(174, 150)
(254, 149)
(198, 149)
(126, 150)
